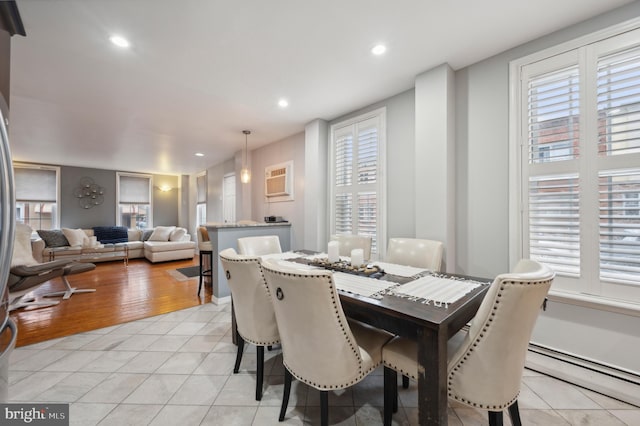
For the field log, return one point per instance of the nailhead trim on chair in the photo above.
(264, 282)
(475, 344)
(356, 352)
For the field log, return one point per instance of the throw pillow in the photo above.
(22, 254)
(76, 237)
(111, 234)
(161, 233)
(177, 234)
(146, 234)
(53, 238)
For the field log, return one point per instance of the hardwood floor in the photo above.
(123, 294)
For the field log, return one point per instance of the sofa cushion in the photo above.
(53, 237)
(159, 246)
(161, 233)
(177, 234)
(76, 237)
(111, 234)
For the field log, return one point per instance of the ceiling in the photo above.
(198, 72)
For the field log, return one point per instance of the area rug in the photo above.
(184, 274)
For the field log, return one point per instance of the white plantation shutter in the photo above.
(356, 169)
(620, 225)
(554, 222)
(580, 166)
(553, 116)
(619, 103)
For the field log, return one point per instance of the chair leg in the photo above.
(240, 341)
(69, 291)
(514, 413)
(200, 270)
(405, 382)
(260, 372)
(390, 394)
(285, 396)
(495, 418)
(324, 408)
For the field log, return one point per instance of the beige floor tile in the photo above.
(558, 394)
(131, 415)
(230, 416)
(628, 417)
(183, 415)
(88, 414)
(590, 417)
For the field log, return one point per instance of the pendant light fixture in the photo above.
(245, 173)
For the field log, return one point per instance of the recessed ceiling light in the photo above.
(199, 154)
(119, 41)
(283, 103)
(379, 49)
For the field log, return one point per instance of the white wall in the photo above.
(291, 148)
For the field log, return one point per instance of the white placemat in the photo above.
(400, 270)
(357, 284)
(296, 265)
(437, 290)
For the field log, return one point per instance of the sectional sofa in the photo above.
(160, 244)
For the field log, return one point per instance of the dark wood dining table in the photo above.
(429, 325)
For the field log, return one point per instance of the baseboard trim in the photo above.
(220, 301)
(610, 381)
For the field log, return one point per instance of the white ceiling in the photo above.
(201, 71)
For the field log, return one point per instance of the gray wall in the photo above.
(165, 204)
(483, 202)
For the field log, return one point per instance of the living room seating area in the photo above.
(105, 243)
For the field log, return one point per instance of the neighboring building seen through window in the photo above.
(37, 189)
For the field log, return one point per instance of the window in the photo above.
(134, 200)
(37, 189)
(579, 138)
(357, 178)
(201, 206)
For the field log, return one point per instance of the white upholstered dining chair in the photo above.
(255, 318)
(259, 246)
(350, 242)
(486, 362)
(319, 346)
(415, 252)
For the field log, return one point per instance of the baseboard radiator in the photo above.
(607, 380)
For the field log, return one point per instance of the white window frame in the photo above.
(136, 175)
(56, 169)
(380, 186)
(614, 301)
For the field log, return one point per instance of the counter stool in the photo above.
(206, 255)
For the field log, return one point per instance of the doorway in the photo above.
(229, 198)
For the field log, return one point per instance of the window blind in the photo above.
(36, 185)
(134, 189)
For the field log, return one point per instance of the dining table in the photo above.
(429, 322)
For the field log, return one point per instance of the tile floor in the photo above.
(175, 369)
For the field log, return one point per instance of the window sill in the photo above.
(595, 302)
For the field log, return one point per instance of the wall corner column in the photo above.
(435, 159)
(316, 136)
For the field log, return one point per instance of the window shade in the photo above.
(134, 189)
(35, 185)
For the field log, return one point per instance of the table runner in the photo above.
(434, 289)
(400, 270)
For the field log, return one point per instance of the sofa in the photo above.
(105, 243)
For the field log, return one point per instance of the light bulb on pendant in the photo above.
(245, 173)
